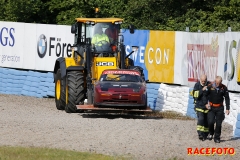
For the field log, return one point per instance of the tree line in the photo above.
(171, 15)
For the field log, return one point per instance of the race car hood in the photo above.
(105, 86)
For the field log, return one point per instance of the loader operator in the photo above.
(216, 94)
(112, 33)
(100, 39)
(200, 100)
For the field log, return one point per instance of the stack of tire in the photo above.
(27, 83)
(152, 94)
(190, 110)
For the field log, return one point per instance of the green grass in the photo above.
(169, 115)
(22, 153)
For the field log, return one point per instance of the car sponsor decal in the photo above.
(121, 72)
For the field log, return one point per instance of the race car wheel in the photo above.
(59, 91)
(74, 91)
(145, 106)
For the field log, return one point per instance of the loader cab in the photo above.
(101, 33)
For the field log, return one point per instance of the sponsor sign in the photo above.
(104, 63)
(121, 72)
(159, 56)
(203, 59)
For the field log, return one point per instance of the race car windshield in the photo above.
(120, 78)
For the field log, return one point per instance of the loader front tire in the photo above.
(74, 91)
(59, 91)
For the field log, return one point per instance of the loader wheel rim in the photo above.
(58, 89)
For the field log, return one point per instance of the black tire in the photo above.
(75, 91)
(59, 91)
(145, 106)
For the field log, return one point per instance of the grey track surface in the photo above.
(29, 121)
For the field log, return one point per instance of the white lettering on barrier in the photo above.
(158, 56)
(135, 56)
(150, 61)
(141, 57)
(10, 58)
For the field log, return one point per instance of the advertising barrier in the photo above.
(33, 46)
(181, 57)
(166, 56)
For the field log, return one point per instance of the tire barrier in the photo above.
(237, 129)
(26, 83)
(161, 97)
(152, 94)
(174, 98)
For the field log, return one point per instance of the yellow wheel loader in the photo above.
(97, 46)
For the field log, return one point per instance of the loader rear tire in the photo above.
(75, 91)
(59, 91)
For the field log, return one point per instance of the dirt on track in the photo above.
(35, 122)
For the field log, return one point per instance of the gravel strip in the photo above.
(29, 121)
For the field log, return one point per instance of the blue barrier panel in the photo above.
(191, 113)
(34, 79)
(42, 93)
(155, 86)
(50, 93)
(190, 101)
(238, 124)
(35, 84)
(44, 84)
(27, 86)
(139, 38)
(33, 89)
(191, 106)
(50, 75)
(238, 117)
(24, 92)
(43, 79)
(237, 130)
(24, 73)
(150, 99)
(48, 79)
(5, 71)
(237, 133)
(45, 88)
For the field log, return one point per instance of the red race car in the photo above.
(120, 88)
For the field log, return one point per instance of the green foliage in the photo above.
(22, 153)
(204, 15)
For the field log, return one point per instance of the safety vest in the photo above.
(98, 38)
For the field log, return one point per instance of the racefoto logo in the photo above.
(42, 46)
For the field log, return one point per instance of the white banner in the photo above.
(230, 60)
(208, 53)
(33, 46)
(52, 41)
(12, 44)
